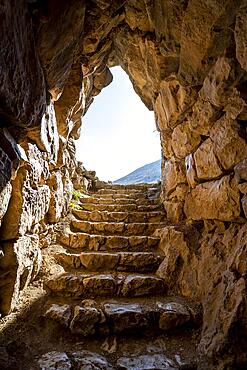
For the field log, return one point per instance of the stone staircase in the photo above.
(106, 280)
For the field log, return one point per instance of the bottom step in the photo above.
(89, 317)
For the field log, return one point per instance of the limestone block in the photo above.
(90, 360)
(151, 361)
(175, 249)
(174, 210)
(174, 315)
(27, 207)
(174, 174)
(38, 165)
(240, 36)
(68, 107)
(218, 200)
(241, 170)
(5, 195)
(169, 104)
(244, 204)
(21, 263)
(57, 199)
(54, 360)
(229, 147)
(214, 83)
(22, 84)
(206, 163)
(166, 143)
(234, 105)
(60, 313)
(184, 141)
(190, 170)
(126, 317)
(46, 135)
(85, 320)
(243, 188)
(202, 117)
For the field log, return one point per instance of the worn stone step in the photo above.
(120, 207)
(116, 228)
(105, 261)
(106, 285)
(85, 241)
(127, 217)
(130, 186)
(91, 317)
(121, 191)
(118, 200)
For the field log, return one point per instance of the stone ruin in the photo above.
(187, 60)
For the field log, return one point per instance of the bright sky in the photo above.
(118, 132)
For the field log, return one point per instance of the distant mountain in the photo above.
(149, 173)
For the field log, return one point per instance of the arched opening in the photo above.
(118, 132)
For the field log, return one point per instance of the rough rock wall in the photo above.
(187, 62)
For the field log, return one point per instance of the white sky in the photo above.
(118, 132)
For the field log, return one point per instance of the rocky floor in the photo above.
(100, 304)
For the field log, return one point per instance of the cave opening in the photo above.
(118, 133)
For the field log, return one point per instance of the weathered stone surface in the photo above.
(27, 207)
(241, 170)
(214, 83)
(240, 36)
(244, 204)
(170, 103)
(174, 174)
(145, 362)
(98, 261)
(202, 118)
(55, 360)
(5, 195)
(184, 141)
(21, 263)
(214, 200)
(84, 320)
(207, 166)
(126, 317)
(173, 316)
(176, 255)
(135, 286)
(90, 360)
(60, 313)
(229, 147)
(190, 171)
(100, 285)
(22, 100)
(46, 135)
(58, 42)
(57, 202)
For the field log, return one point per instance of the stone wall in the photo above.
(187, 62)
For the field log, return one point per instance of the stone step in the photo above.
(121, 191)
(118, 200)
(119, 261)
(116, 228)
(127, 217)
(130, 186)
(91, 317)
(135, 197)
(120, 207)
(78, 285)
(96, 243)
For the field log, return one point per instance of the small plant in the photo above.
(76, 195)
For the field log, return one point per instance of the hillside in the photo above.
(149, 173)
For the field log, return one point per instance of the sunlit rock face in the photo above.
(187, 62)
